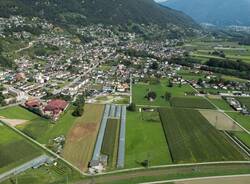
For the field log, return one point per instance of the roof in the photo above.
(56, 105)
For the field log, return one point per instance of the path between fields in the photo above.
(233, 179)
(243, 128)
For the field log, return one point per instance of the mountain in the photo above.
(96, 11)
(217, 12)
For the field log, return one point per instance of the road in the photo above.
(231, 179)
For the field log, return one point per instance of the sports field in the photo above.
(145, 140)
(14, 150)
(80, 140)
(110, 141)
(141, 90)
(191, 102)
(192, 138)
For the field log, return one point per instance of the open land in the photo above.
(80, 140)
(192, 138)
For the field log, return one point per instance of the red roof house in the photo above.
(56, 106)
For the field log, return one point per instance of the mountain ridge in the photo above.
(97, 11)
(220, 13)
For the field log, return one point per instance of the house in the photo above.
(55, 107)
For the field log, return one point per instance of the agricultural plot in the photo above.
(220, 121)
(145, 141)
(192, 138)
(244, 137)
(191, 102)
(141, 90)
(14, 150)
(110, 141)
(81, 138)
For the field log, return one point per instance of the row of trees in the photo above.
(79, 106)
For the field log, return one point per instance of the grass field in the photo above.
(191, 102)
(192, 138)
(109, 146)
(80, 140)
(17, 112)
(14, 150)
(241, 119)
(244, 137)
(145, 140)
(43, 130)
(221, 103)
(141, 90)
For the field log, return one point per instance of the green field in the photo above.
(141, 90)
(192, 138)
(43, 130)
(17, 112)
(145, 141)
(110, 138)
(191, 102)
(59, 174)
(245, 101)
(244, 137)
(241, 119)
(14, 150)
(221, 103)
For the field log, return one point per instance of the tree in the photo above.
(170, 83)
(151, 95)
(168, 96)
(132, 107)
(154, 66)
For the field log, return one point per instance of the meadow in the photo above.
(191, 102)
(17, 112)
(192, 138)
(14, 150)
(221, 103)
(145, 140)
(140, 91)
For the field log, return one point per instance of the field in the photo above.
(220, 121)
(232, 50)
(244, 137)
(141, 90)
(110, 141)
(245, 101)
(46, 175)
(17, 112)
(80, 140)
(14, 150)
(241, 119)
(192, 138)
(191, 102)
(221, 103)
(43, 130)
(145, 140)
